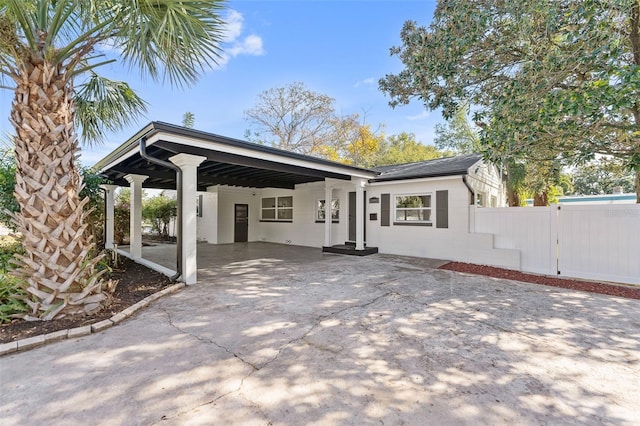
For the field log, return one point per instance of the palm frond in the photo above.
(105, 105)
(172, 39)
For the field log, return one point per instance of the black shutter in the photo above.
(385, 209)
(442, 209)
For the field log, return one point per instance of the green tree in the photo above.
(159, 211)
(49, 52)
(122, 216)
(8, 202)
(353, 142)
(458, 133)
(404, 148)
(188, 120)
(602, 176)
(551, 81)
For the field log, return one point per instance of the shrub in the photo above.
(9, 246)
(12, 298)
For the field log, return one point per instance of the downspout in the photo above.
(473, 200)
(471, 191)
(104, 220)
(169, 165)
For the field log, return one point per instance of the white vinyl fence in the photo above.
(597, 242)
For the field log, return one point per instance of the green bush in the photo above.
(9, 246)
(12, 296)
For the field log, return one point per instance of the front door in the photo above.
(241, 228)
(352, 216)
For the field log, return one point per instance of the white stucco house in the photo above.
(232, 191)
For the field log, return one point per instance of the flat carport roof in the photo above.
(228, 161)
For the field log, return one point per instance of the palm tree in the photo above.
(49, 51)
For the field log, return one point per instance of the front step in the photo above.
(350, 249)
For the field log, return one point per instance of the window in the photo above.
(277, 208)
(480, 199)
(413, 209)
(199, 206)
(321, 210)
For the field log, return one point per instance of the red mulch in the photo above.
(628, 292)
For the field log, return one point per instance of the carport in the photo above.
(165, 156)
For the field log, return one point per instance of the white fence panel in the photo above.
(600, 242)
(531, 230)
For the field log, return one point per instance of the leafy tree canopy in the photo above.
(458, 133)
(550, 80)
(602, 176)
(404, 148)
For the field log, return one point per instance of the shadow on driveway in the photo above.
(285, 335)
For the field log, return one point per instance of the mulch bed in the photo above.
(628, 292)
(135, 282)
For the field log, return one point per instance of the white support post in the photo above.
(109, 215)
(189, 165)
(135, 214)
(360, 184)
(328, 195)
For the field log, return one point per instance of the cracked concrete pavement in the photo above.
(283, 335)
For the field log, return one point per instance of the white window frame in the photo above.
(278, 209)
(430, 209)
(320, 210)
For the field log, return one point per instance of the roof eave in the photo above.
(422, 176)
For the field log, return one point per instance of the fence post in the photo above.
(555, 223)
(472, 219)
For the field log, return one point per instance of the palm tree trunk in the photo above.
(59, 265)
(541, 199)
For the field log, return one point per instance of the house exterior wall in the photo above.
(451, 243)
(486, 181)
(228, 197)
(303, 230)
(208, 221)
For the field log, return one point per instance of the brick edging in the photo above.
(44, 339)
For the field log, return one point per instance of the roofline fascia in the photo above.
(200, 134)
(131, 144)
(421, 179)
(156, 127)
(427, 176)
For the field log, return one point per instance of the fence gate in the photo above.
(590, 241)
(599, 242)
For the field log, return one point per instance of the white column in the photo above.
(360, 214)
(189, 165)
(109, 215)
(135, 214)
(328, 194)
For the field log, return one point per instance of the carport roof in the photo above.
(228, 161)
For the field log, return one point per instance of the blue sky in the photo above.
(335, 47)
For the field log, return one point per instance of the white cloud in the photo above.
(367, 81)
(233, 42)
(234, 21)
(250, 45)
(422, 116)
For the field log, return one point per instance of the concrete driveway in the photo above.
(285, 335)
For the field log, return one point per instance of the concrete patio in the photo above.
(285, 335)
